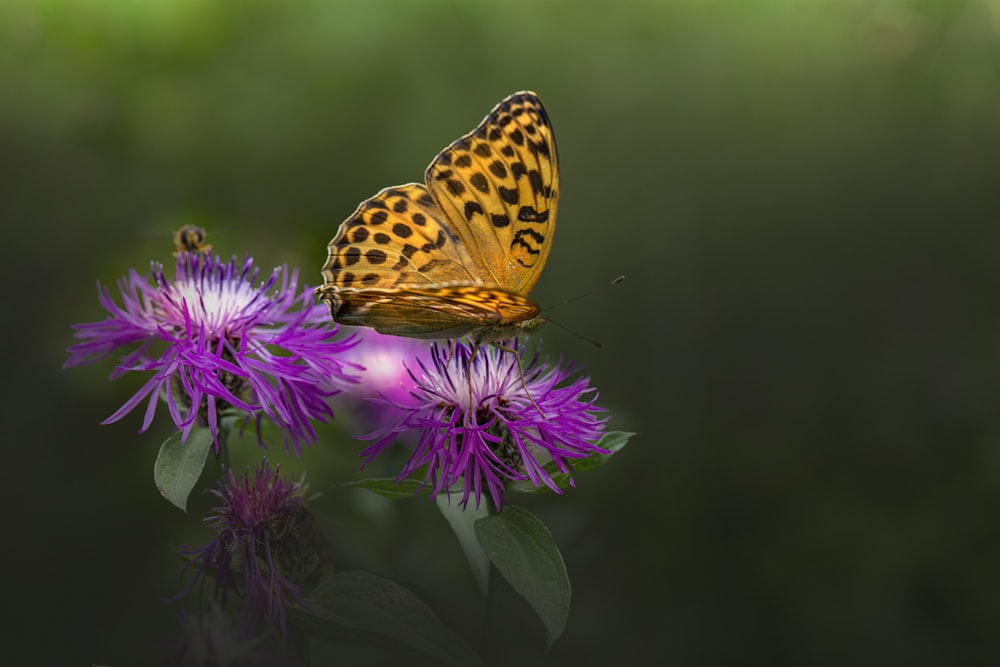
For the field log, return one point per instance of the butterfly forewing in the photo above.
(397, 238)
(499, 184)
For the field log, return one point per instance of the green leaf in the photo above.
(364, 608)
(524, 552)
(178, 465)
(390, 488)
(462, 521)
(613, 442)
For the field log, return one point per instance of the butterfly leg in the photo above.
(520, 370)
(468, 372)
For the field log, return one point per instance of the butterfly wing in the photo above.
(448, 312)
(397, 266)
(459, 256)
(499, 187)
(398, 238)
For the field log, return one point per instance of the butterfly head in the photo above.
(530, 325)
(504, 332)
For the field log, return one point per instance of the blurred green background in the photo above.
(804, 199)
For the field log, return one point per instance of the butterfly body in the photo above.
(456, 257)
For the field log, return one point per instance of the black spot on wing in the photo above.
(522, 234)
(508, 195)
(432, 264)
(479, 182)
(472, 208)
(535, 178)
(529, 214)
(499, 220)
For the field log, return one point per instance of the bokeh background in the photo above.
(803, 195)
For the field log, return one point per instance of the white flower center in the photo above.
(219, 306)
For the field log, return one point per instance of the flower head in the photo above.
(382, 373)
(384, 360)
(264, 531)
(482, 423)
(217, 341)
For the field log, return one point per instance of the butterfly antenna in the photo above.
(595, 343)
(617, 280)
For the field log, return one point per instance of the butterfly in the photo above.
(458, 256)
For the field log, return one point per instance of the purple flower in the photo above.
(507, 429)
(383, 362)
(265, 532)
(216, 343)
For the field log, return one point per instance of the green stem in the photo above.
(297, 643)
(489, 611)
(222, 456)
(491, 608)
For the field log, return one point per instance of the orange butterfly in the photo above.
(459, 256)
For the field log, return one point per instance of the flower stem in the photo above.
(490, 611)
(222, 456)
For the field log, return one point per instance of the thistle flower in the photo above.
(383, 360)
(216, 343)
(382, 373)
(265, 532)
(482, 424)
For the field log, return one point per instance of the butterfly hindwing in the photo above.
(450, 312)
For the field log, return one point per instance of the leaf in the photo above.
(179, 464)
(525, 554)
(462, 521)
(613, 442)
(363, 608)
(390, 488)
